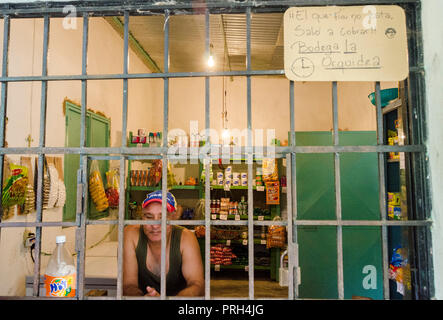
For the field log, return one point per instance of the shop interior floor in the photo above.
(240, 288)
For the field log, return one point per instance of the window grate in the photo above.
(415, 148)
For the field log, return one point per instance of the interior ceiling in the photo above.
(227, 36)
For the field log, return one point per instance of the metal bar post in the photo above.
(125, 79)
(250, 159)
(165, 160)
(41, 158)
(121, 208)
(291, 246)
(208, 165)
(81, 231)
(338, 208)
(293, 265)
(382, 186)
(3, 101)
(121, 226)
(80, 216)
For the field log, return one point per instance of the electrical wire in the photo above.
(92, 246)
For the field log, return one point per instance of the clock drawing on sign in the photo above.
(302, 67)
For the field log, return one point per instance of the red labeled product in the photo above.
(221, 254)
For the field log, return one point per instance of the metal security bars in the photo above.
(415, 147)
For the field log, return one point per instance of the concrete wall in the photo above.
(433, 56)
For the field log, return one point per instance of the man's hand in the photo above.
(151, 292)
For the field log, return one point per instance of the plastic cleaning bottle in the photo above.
(243, 206)
(60, 275)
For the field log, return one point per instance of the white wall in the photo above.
(270, 105)
(433, 56)
(105, 55)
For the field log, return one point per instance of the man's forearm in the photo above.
(132, 291)
(192, 290)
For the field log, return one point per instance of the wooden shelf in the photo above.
(392, 106)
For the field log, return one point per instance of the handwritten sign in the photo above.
(353, 43)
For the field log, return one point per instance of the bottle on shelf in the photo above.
(217, 207)
(243, 206)
(235, 209)
(213, 209)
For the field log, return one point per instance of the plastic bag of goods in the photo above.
(276, 237)
(112, 188)
(96, 188)
(15, 187)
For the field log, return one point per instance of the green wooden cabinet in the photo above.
(97, 135)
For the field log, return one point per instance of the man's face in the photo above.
(153, 211)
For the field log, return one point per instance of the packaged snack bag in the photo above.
(15, 187)
(270, 169)
(272, 192)
(96, 188)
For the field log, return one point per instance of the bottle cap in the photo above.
(60, 239)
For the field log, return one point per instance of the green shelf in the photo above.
(143, 188)
(234, 187)
(239, 267)
(138, 145)
(183, 187)
(177, 187)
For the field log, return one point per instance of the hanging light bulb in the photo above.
(211, 61)
(225, 134)
(225, 137)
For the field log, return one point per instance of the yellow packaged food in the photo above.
(270, 169)
(96, 188)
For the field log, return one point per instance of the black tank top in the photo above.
(175, 282)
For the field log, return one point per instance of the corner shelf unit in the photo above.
(274, 253)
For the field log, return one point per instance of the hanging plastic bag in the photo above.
(15, 188)
(276, 237)
(112, 188)
(29, 204)
(96, 188)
